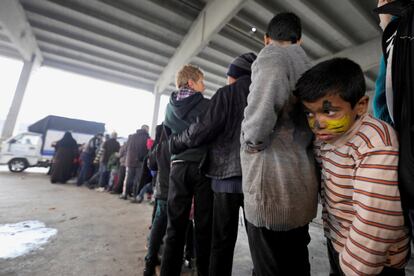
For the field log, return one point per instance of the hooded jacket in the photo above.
(179, 116)
(220, 128)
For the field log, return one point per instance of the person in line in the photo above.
(280, 184)
(144, 183)
(66, 149)
(113, 168)
(186, 181)
(109, 147)
(98, 167)
(159, 160)
(136, 150)
(358, 155)
(117, 189)
(87, 157)
(220, 129)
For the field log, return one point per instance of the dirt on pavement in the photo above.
(98, 233)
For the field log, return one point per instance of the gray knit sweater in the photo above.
(280, 183)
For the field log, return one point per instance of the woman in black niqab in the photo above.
(66, 150)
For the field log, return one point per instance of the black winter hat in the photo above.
(241, 65)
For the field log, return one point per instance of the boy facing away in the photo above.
(358, 155)
(186, 180)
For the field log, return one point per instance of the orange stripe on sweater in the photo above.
(375, 180)
(376, 195)
(382, 152)
(387, 133)
(347, 187)
(337, 164)
(379, 225)
(377, 210)
(338, 194)
(356, 271)
(366, 249)
(339, 175)
(378, 130)
(366, 139)
(377, 239)
(361, 260)
(381, 167)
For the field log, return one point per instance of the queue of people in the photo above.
(280, 137)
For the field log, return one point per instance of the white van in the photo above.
(35, 148)
(23, 151)
(30, 149)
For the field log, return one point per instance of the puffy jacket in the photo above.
(220, 128)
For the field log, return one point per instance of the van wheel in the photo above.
(17, 165)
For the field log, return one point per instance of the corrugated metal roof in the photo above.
(131, 42)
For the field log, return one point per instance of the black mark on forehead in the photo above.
(326, 106)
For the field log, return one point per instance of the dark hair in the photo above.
(285, 26)
(339, 76)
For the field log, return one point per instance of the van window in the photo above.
(27, 139)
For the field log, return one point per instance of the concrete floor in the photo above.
(98, 234)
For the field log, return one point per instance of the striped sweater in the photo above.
(361, 202)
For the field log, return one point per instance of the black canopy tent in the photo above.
(66, 124)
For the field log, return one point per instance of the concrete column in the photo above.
(11, 118)
(157, 98)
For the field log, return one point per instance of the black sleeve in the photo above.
(152, 158)
(205, 128)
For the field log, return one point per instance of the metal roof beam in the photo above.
(365, 15)
(98, 26)
(313, 46)
(97, 73)
(94, 60)
(93, 67)
(15, 24)
(64, 29)
(210, 20)
(9, 52)
(367, 54)
(73, 44)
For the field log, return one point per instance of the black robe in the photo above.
(403, 89)
(66, 152)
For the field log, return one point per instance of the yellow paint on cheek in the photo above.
(311, 122)
(338, 125)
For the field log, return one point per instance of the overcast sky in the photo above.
(55, 92)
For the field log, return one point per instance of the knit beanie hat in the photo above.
(241, 65)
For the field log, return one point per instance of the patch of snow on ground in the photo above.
(21, 238)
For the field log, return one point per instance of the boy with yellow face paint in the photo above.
(358, 156)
